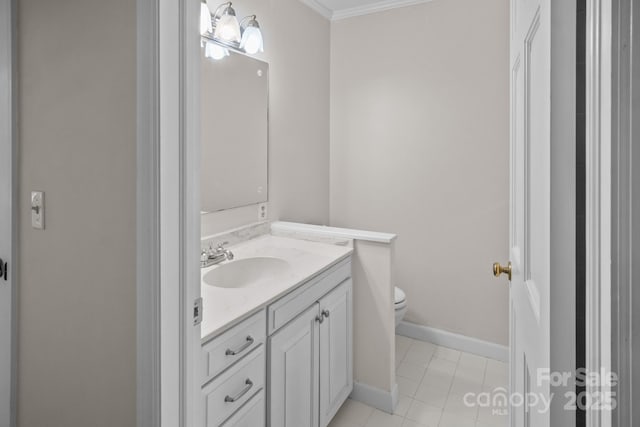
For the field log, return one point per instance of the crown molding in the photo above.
(378, 6)
(319, 8)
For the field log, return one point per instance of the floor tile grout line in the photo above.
(475, 419)
(427, 364)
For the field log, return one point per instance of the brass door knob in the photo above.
(498, 269)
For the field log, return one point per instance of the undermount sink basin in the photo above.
(245, 273)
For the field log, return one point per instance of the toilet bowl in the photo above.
(400, 304)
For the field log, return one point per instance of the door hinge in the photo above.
(197, 311)
(4, 268)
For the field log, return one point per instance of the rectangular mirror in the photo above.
(234, 131)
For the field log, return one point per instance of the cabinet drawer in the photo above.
(231, 390)
(250, 415)
(288, 307)
(224, 350)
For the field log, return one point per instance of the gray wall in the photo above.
(297, 49)
(419, 147)
(77, 142)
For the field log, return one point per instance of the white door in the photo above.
(294, 372)
(7, 285)
(336, 370)
(529, 234)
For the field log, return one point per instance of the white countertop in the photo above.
(336, 232)
(224, 306)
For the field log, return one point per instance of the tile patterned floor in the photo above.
(432, 382)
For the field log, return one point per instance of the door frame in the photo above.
(625, 236)
(168, 213)
(598, 198)
(8, 135)
(563, 204)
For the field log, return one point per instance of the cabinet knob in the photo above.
(319, 319)
(325, 313)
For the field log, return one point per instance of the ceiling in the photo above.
(341, 9)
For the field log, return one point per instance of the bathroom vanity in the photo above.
(277, 340)
(277, 334)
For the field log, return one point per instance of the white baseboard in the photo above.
(384, 400)
(455, 341)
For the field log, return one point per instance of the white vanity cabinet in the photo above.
(310, 358)
(287, 366)
(294, 377)
(252, 413)
(234, 364)
(336, 357)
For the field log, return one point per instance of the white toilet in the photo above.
(400, 304)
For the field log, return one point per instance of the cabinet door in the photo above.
(336, 351)
(294, 370)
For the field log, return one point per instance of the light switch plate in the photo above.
(37, 210)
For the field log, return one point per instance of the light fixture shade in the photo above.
(205, 20)
(227, 27)
(252, 38)
(215, 51)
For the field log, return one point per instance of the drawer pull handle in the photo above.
(238, 396)
(240, 349)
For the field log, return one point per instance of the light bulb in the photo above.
(252, 40)
(205, 20)
(215, 51)
(227, 27)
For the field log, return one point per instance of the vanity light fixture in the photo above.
(226, 24)
(251, 35)
(221, 31)
(215, 51)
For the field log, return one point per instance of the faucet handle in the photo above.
(221, 245)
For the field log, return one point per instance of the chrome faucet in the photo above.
(209, 257)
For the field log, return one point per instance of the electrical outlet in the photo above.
(263, 213)
(37, 210)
